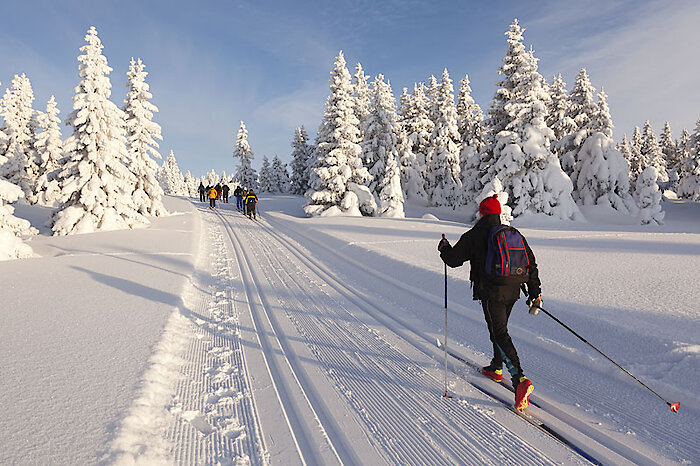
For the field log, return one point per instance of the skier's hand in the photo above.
(443, 242)
(535, 305)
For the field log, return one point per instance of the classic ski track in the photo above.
(455, 421)
(214, 390)
(304, 434)
(604, 440)
(593, 402)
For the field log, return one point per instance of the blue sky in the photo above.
(214, 63)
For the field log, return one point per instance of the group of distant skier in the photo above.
(246, 200)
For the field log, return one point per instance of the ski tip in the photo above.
(675, 406)
(439, 343)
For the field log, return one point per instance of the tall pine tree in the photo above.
(519, 150)
(96, 184)
(20, 167)
(141, 133)
(443, 180)
(302, 158)
(340, 178)
(245, 174)
(48, 147)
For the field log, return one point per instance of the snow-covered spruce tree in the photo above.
(443, 180)
(469, 123)
(12, 228)
(245, 174)
(649, 197)
(582, 107)
(416, 123)
(381, 126)
(601, 172)
(520, 148)
(689, 184)
(212, 179)
(671, 156)
(302, 156)
(264, 181)
(224, 177)
(279, 177)
(624, 148)
(637, 161)
(558, 118)
(171, 178)
(391, 197)
(191, 184)
(20, 167)
(651, 152)
(141, 134)
(48, 147)
(96, 184)
(668, 147)
(361, 91)
(339, 184)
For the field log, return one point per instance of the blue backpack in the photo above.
(507, 262)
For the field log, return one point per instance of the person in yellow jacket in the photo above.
(250, 200)
(212, 197)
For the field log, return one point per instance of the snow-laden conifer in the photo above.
(443, 180)
(651, 152)
(279, 177)
(601, 172)
(668, 147)
(340, 179)
(141, 133)
(48, 147)
(361, 91)
(581, 110)
(191, 185)
(391, 197)
(12, 228)
(521, 157)
(602, 175)
(637, 161)
(381, 126)
(648, 197)
(245, 173)
(96, 184)
(416, 123)
(212, 178)
(558, 118)
(302, 158)
(264, 182)
(16, 110)
(689, 183)
(171, 179)
(469, 123)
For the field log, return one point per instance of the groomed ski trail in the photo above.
(630, 449)
(196, 405)
(330, 352)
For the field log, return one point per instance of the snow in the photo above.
(210, 338)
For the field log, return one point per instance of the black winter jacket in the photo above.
(472, 247)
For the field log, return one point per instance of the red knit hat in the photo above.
(490, 205)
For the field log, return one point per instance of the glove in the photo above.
(443, 242)
(535, 305)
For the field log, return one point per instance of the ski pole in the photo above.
(674, 406)
(445, 395)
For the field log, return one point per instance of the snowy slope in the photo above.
(209, 337)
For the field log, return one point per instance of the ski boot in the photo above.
(493, 372)
(523, 388)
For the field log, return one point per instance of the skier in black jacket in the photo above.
(497, 301)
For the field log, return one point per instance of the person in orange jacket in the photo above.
(212, 198)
